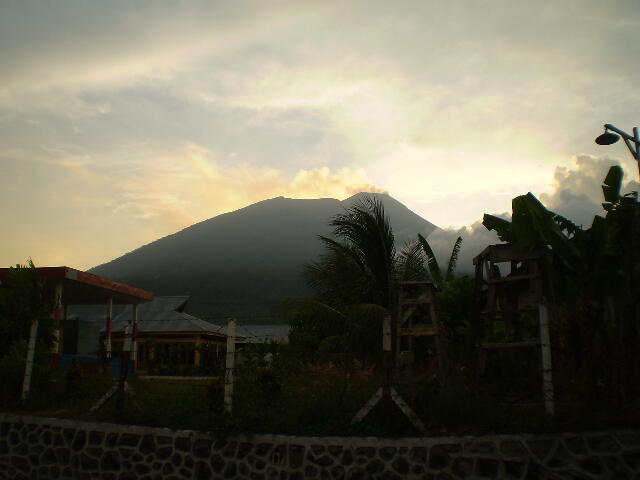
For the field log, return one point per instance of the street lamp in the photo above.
(632, 141)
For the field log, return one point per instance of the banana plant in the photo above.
(533, 226)
(437, 276)
(595, 276)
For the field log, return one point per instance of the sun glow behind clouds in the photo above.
(454, 187)
(195, 185)
(156, 195)
(142, 119)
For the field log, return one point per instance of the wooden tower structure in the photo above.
(417, 319)
(511, 309)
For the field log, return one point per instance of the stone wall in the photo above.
(47, 448)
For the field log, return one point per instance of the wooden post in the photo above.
(107, 331)
(387, 361)
(387, 393)
(636, 140)
(134, 337)
(545, 346)
(230, 360)
(57, 317)
(197, 354)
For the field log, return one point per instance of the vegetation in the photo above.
(317, 382)
(354, 280)
(439, 279)
(361, 265)
(22, 301)
(592, 278)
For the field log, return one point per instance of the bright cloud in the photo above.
(123, 122)
(577, 191)
(85, 215)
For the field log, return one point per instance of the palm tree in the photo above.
(361, 266)
(355, 282)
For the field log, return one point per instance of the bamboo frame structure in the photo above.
(509, 297)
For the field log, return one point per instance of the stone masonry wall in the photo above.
(48, 448)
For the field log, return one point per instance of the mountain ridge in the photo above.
(244, 262)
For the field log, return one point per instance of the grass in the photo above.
(316, 400)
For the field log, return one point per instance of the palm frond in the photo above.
(410, 263)
(338, 275)
(365, 228)
(432, 263)
(565, 224)
(453, 259)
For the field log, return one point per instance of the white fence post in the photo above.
(28, 367)
(33, 336)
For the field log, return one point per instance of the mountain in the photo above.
(245, 262)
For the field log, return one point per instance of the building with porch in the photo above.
(171, 341)
(68, 287)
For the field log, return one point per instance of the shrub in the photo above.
(214, 393)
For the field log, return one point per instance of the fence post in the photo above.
(107, 330)
(387, 361)
(57, 317)
(134, 338)
(28, 367)
(230, 360)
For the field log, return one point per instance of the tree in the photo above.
(360, 266)
(593, 278)
(354, 280)
(322, 332)
(22, 300)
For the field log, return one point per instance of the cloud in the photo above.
(320, 182)
(89, 209)
(475, 238)
(577, 192)
(454, 187)
(195, 184)
(453, 107)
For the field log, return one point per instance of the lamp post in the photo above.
(633, 144)
(632, 141)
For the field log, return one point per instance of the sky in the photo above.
(122, 122)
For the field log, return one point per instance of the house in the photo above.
(170, 340)
(261, 334)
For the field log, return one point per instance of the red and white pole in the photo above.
(107, 330)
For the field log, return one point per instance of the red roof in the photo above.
(86, 288)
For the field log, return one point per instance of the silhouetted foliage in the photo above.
(358, 266)
(22, 300)
(592, 278)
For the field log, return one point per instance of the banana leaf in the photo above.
(432, 263)
(501, 226)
